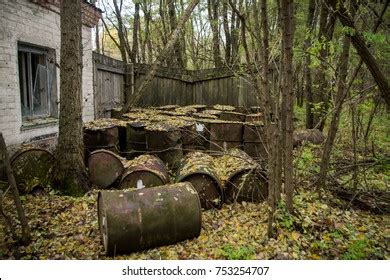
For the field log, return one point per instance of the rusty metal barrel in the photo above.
(105, 168)
(101, 134)
(143, 172)
(165, 141)
(198, 169)
(242, 177)
(32, 168)
(135, 139)
(225, 135)
(254, 141)
(133, 220)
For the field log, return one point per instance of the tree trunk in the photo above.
(177, 52)
(321, 92)
(212, 8)
(339, 100)
(362, 49)
(226, 29)
(136, 24)
(307, 72)
(69, 172)
(287, 7)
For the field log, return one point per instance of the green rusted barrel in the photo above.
(144, 171)
(198, 169)
(32, 168)
(225, 135)
(165, 141)
(133, 220)
(254, 140)
(242, 177)
(105, 168)
(135, 139)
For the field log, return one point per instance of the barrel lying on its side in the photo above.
(105, 168)
(144, 171)
(32, 168)
(198, 169)
(243, 177)
(140, 219)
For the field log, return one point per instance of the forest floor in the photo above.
(323, 227)
(67, 228)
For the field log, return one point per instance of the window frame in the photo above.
(28, 91)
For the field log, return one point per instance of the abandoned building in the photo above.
(30, 41)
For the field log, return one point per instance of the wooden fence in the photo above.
(169, 86)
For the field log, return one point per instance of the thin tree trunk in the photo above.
(163, 55)
(227, 32)
(69, 172)
(321, 92)
(307, 71)
(287, 7)
(177, 52)
(136, 25)
(339, 100)
(365, 54)
(212, 8)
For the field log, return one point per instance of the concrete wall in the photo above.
(27, 22)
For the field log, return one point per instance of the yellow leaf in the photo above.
(295, 235)
(315, 257)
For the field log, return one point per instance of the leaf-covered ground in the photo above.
(67, 228)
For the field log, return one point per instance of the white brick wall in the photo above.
(21, 20)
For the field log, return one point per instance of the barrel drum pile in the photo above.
(157, 168)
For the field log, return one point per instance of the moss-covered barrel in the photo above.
(198, 169)
(105, 168)
(254, 140)
(225, 135)
(242, 177)
(144, 171)
(32, 168)
(132, 220)
(164, 140)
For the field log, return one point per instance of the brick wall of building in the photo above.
(24, 21)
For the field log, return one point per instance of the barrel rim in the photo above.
(242, 170)
(23, 151)
(199, 206)
(220, 190)
(140, 169)
(99, 207)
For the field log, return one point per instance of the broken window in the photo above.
(37, 80)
